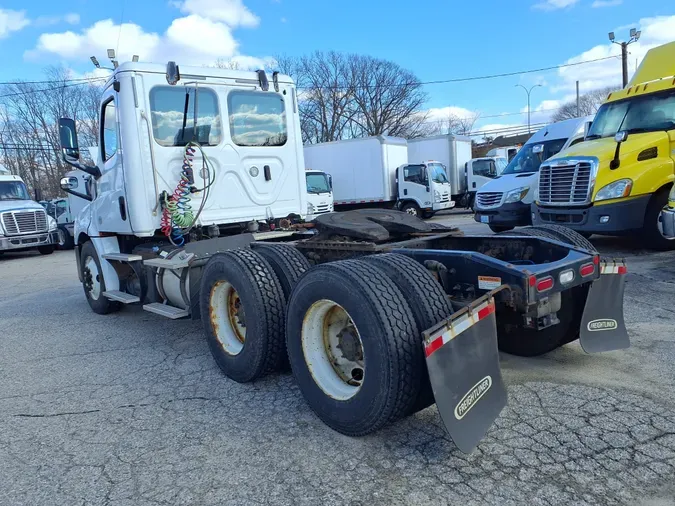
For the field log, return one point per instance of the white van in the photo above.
(504, 203)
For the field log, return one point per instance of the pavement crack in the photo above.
(51, 415)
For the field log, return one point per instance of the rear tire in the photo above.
(652, 225)
(243, 313)
(378, 329)
(514, 338)
(412, 208)
(428, 214)
(286, 262)
(93, 282)
(428, 302)
(499, 228)
(566, 235)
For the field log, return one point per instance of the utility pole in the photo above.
(578, 108)
(528, 102)
(634, 37)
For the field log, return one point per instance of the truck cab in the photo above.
(504, 203)
(424, 189)
(24, 224)
(319, 193)
(617, 182)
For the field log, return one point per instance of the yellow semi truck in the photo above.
(617, 181)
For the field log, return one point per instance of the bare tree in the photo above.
(454, 124)
(388, 98)
(29, 136)
(588, 104)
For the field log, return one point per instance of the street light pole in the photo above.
(634, 36)
(528, 102)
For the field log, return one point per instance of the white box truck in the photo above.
(454, 153)
(319, 193)
(374, 172)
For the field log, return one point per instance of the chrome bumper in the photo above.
(668, 222)
(27, 241)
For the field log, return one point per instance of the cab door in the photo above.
(414, 185)
(110, 206)
(479, 172)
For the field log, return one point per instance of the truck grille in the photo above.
(488, 199)
(445, 198)
(565, 184)
(322, 208)
(24, 222)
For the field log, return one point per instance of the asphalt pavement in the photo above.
(130, 409)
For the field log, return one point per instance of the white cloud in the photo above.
(443, 113)
(655, 32)
(71, 18)
(231, 12)
(606, 3)
(12, 21)
(178, 43)
(552, 5)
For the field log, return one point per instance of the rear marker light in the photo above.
(623, 269)
(596, 259)
(532, 281)
(566, 277)
(545, 284)
(586, 270)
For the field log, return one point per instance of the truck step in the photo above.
(166, 310)
(122, 257)
(171, 264)
(123, 297)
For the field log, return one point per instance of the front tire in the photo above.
(93, 282)
(46, 250)
(352, 343)
(499, 228)
(243, 313)
(412, 208)
(65, 239)
(652, 229)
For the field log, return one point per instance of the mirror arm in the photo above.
(92, 171)
(78, 194)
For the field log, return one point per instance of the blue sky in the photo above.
(433, 38)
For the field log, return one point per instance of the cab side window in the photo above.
(414, 174)
(109, 139)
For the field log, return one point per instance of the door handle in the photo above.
(474, 185)
(405, 192)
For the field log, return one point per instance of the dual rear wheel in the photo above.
(352, 329)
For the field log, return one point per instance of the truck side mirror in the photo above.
(330, 182)
(68, 185)
(621, 136)
(68, 136)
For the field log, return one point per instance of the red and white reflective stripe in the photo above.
(613, 269)
(459, 325)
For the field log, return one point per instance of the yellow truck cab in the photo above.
(617, 181)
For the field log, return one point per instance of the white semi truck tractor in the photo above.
(192, 213)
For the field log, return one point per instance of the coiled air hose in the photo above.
(177, 216)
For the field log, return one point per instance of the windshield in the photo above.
(501, 164)
(317, 183)
(528, 161)
(437, 173)
(486, 167)
(648, 113)
(13, 190)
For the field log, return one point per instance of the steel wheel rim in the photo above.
(227, 317)
(92, 278)
(659, 227)
(333, 350)
(62, 237)
(412, 210)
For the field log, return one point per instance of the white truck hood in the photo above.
(18, 205)
(508, 182)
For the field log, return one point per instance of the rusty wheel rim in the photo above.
(227, 317)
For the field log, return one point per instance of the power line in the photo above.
(49, 81)
(463, 79)
(28, 92)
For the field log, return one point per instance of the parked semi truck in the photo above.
(319, 193)
(24, 224)
(617, 182)
(378, 313)
(466, 175)
(504, 203)
(375, 172)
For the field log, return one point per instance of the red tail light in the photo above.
(623, 269)
(545, 284)
(586, 270)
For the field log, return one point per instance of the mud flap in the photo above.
(602, 324)
(463, 365)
